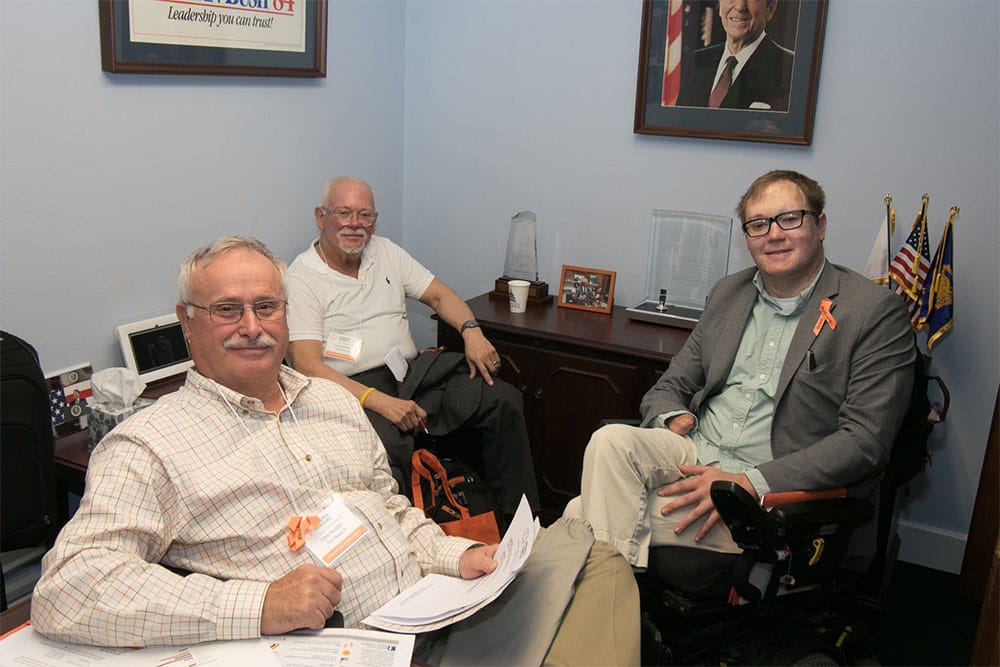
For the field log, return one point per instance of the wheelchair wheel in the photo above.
(805, 653)
(816, 659)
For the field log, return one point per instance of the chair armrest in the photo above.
(754, 527)
(812, 513)
(787, 497)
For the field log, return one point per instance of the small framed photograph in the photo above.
(587, 289)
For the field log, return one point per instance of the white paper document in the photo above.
(438, 600)
(27, 647)
(345, 648)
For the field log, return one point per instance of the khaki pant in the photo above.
(575, 603)
(623, 467)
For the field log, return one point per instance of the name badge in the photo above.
(339, 529)
(342, 346)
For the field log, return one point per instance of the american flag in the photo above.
(672, 54)
(57, 404)
(910, 265)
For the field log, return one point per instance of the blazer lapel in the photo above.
(827, 288)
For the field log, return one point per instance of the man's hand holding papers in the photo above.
(437, 600)
(478, 561)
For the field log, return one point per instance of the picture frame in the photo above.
(155, 347)
(674, 81)
(177, 37)
(584, 288)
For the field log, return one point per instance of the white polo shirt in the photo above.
(371, 307)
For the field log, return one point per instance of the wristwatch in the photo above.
(468, 324)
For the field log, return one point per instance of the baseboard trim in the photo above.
(931, 547)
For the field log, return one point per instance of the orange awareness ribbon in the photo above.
(825, 315)
(297, 527)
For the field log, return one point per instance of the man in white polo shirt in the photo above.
(347, 322)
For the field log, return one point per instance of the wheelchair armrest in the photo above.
(844, 511)
(754, 527)
(787, 497)
(751, 527)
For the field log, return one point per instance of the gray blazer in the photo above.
(833, 425)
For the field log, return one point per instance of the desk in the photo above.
(573, 368)
(15, 615)
(71, 453)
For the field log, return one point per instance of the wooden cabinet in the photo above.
(574, 368)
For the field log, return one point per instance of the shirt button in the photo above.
(309, 457)
(763, 376)
(770, 343)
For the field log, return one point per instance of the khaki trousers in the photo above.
(575, 603)
(623, 467)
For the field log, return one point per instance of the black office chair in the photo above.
(28, 502)
(787, 599)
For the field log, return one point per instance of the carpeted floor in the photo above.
(925, 620)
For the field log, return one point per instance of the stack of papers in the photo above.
(438, 600)
(303, 649)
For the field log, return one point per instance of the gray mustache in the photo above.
(244, 343)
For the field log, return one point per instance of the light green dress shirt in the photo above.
(733, 429)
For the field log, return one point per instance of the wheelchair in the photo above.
(792, 596)
(785, 600)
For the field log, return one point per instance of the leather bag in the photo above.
(435, 491)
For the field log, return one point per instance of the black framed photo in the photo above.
(248, 38)
(691, 84)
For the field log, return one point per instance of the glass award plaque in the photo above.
(521, 260)
(688, 254)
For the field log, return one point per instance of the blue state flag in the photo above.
(937, 303)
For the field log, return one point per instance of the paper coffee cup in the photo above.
(518, 291)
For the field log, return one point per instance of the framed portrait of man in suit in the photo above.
(744, 70)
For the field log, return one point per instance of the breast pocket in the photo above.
(821, 386)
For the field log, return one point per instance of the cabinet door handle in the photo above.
(539, 392)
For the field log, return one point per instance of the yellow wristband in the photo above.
(365, 395)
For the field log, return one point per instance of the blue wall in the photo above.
(461, 113)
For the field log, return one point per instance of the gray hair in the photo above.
(344, 180)
(208, 254)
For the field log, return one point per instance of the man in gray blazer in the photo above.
(797, 377)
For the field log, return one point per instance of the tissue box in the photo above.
(103, 418)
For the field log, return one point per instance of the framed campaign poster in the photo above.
(722, 69)
(248, 37)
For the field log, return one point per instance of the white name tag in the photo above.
(339, 529)
(342, 346)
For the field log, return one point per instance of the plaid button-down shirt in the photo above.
(205, 481)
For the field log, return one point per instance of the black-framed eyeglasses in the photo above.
(231, 312)
(366, 217)
(788, 220)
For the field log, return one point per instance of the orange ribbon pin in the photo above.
(297, 527)
(825, 315)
